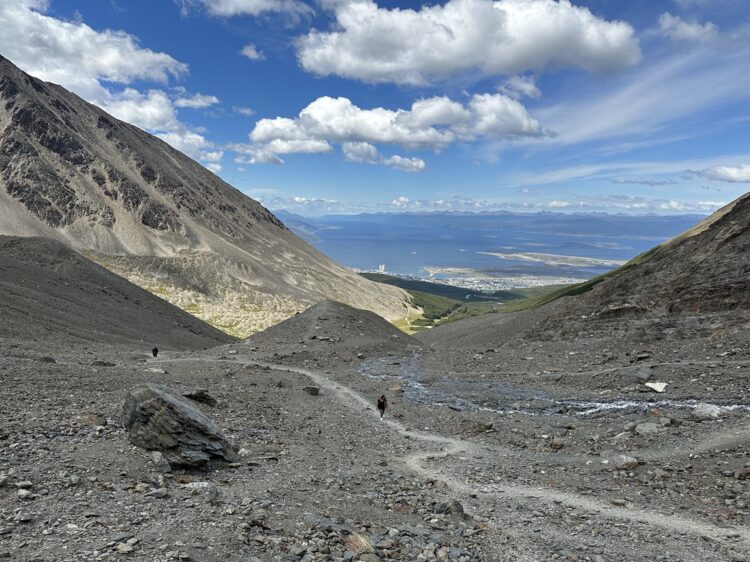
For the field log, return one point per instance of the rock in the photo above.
(625, 462)
(358, 544)
(557, 443)
(453, 507)
(100, 363)
(47, 360)
(201, 395)
(24, 494)
(312, 390)
(656, 386)
(161, 463)
(157, 419)
(158, 493)
(643, 375)
(24, 484)
(648, 428)
(369, 557)
(622, 436)
(705, 412)
(96, 420)
(123, 548)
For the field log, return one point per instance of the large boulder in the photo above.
(158, 419)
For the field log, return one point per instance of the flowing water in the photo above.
(504, 398)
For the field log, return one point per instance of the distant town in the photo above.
(476, 280)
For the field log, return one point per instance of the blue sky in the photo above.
(352, 105)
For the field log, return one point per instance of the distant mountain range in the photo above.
(502, 244)
(129, 201)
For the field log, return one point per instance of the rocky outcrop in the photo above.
(158, 419)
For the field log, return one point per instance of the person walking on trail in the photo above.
(382, 405)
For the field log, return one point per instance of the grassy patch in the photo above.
(441, 303)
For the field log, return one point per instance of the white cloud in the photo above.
(494, 37)
(251, 52)
(73, 54)
(246, 111)
(360, 152)
(736, 174)
(212, 156)
(215, 168)
(189, 142)
(197, 101)
(269, 153)
(303, 205)
(678, 29)
(431, 123)
(655, 99)
(518, 87)
(229, 8)
(153, 110)
(643, 181)
(586, 204)
(368, 154)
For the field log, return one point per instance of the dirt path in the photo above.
(449, 446)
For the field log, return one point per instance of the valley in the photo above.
(187, 376)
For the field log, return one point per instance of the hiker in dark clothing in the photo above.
(155, 351)
(382, 405)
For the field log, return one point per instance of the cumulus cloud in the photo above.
(269, 152)
(585, 204)
(229, 8)
(196, 101)
(73, 54)
(431, 123)
(367, 153)
(215, 168)
(678, 29)
(251, 52)
(736, 174)
(493, 37)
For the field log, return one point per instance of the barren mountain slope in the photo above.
(128, 200)
(49, 293)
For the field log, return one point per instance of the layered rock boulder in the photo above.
(159, 419)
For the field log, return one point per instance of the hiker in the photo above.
(155, 351)
(382, 405)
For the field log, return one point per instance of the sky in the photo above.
(347, 106)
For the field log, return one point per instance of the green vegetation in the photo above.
(577, 289)
(444, 303)
(441, 303)
(451, 292)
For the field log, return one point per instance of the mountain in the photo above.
(48, 292)
(687, 284)
(129, 201)
(304, 227)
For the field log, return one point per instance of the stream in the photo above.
(503, 398)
